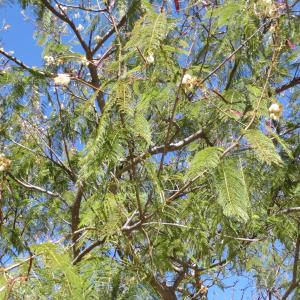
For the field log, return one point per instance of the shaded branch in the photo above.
(87, 250)
(288, 85)
(75, 209)
(108, 35)
(63, 16)
(32, 187)
(295, 282)
(160, 149)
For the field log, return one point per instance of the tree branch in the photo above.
(294, 282)
(31, 186)
(20, 63)
(75, 209)
(288, 85)
(160, 149)
(289, 210)
(81, 7)
(87, 250)
(233, 53)
(63, 16)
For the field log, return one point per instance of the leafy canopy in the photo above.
(140, 159)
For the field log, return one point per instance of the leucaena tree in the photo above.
(153, 153)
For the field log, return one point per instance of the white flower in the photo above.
(62, 79)
(49, 60)
(97, 38)
(274, 108)
(150, 59)
(4, 163)
(80, 27)
(186, 79)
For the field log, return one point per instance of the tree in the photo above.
(154, 153)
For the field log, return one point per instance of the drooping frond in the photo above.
(64, 274)
(148, 32)
(232, 191)
(142, 128)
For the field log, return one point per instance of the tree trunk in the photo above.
(166, 293)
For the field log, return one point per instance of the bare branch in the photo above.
(169, 147)
(288, 85)
(234, 52)
(20, 63)
(87, 250)
(32, 187)
(289, 210)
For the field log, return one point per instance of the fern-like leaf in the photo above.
(206, 159)
(263, 147)
(142, 128)
(148, 32)
(232, 191)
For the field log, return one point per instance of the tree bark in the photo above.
(166, 293)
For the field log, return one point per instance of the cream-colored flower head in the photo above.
(4, 163)
(62, 79)
(274, 108)
(49, 59)
(150, 59)
(85, 61)
(186, 78)
(189, 80)
(97, 38)
(275, 111)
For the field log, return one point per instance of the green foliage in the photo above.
(204, 160)
(232, 190)
(155, 169)
(263, 147)
(148, 32)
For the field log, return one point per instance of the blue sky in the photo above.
(19, 37)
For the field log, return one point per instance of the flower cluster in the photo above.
(189, 80)
(4, 163)
(97, 38)
(275, 111)
(62, 79)
(150, 58)
(49, 60)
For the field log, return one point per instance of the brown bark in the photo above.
(75, 209)
(166, 293)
